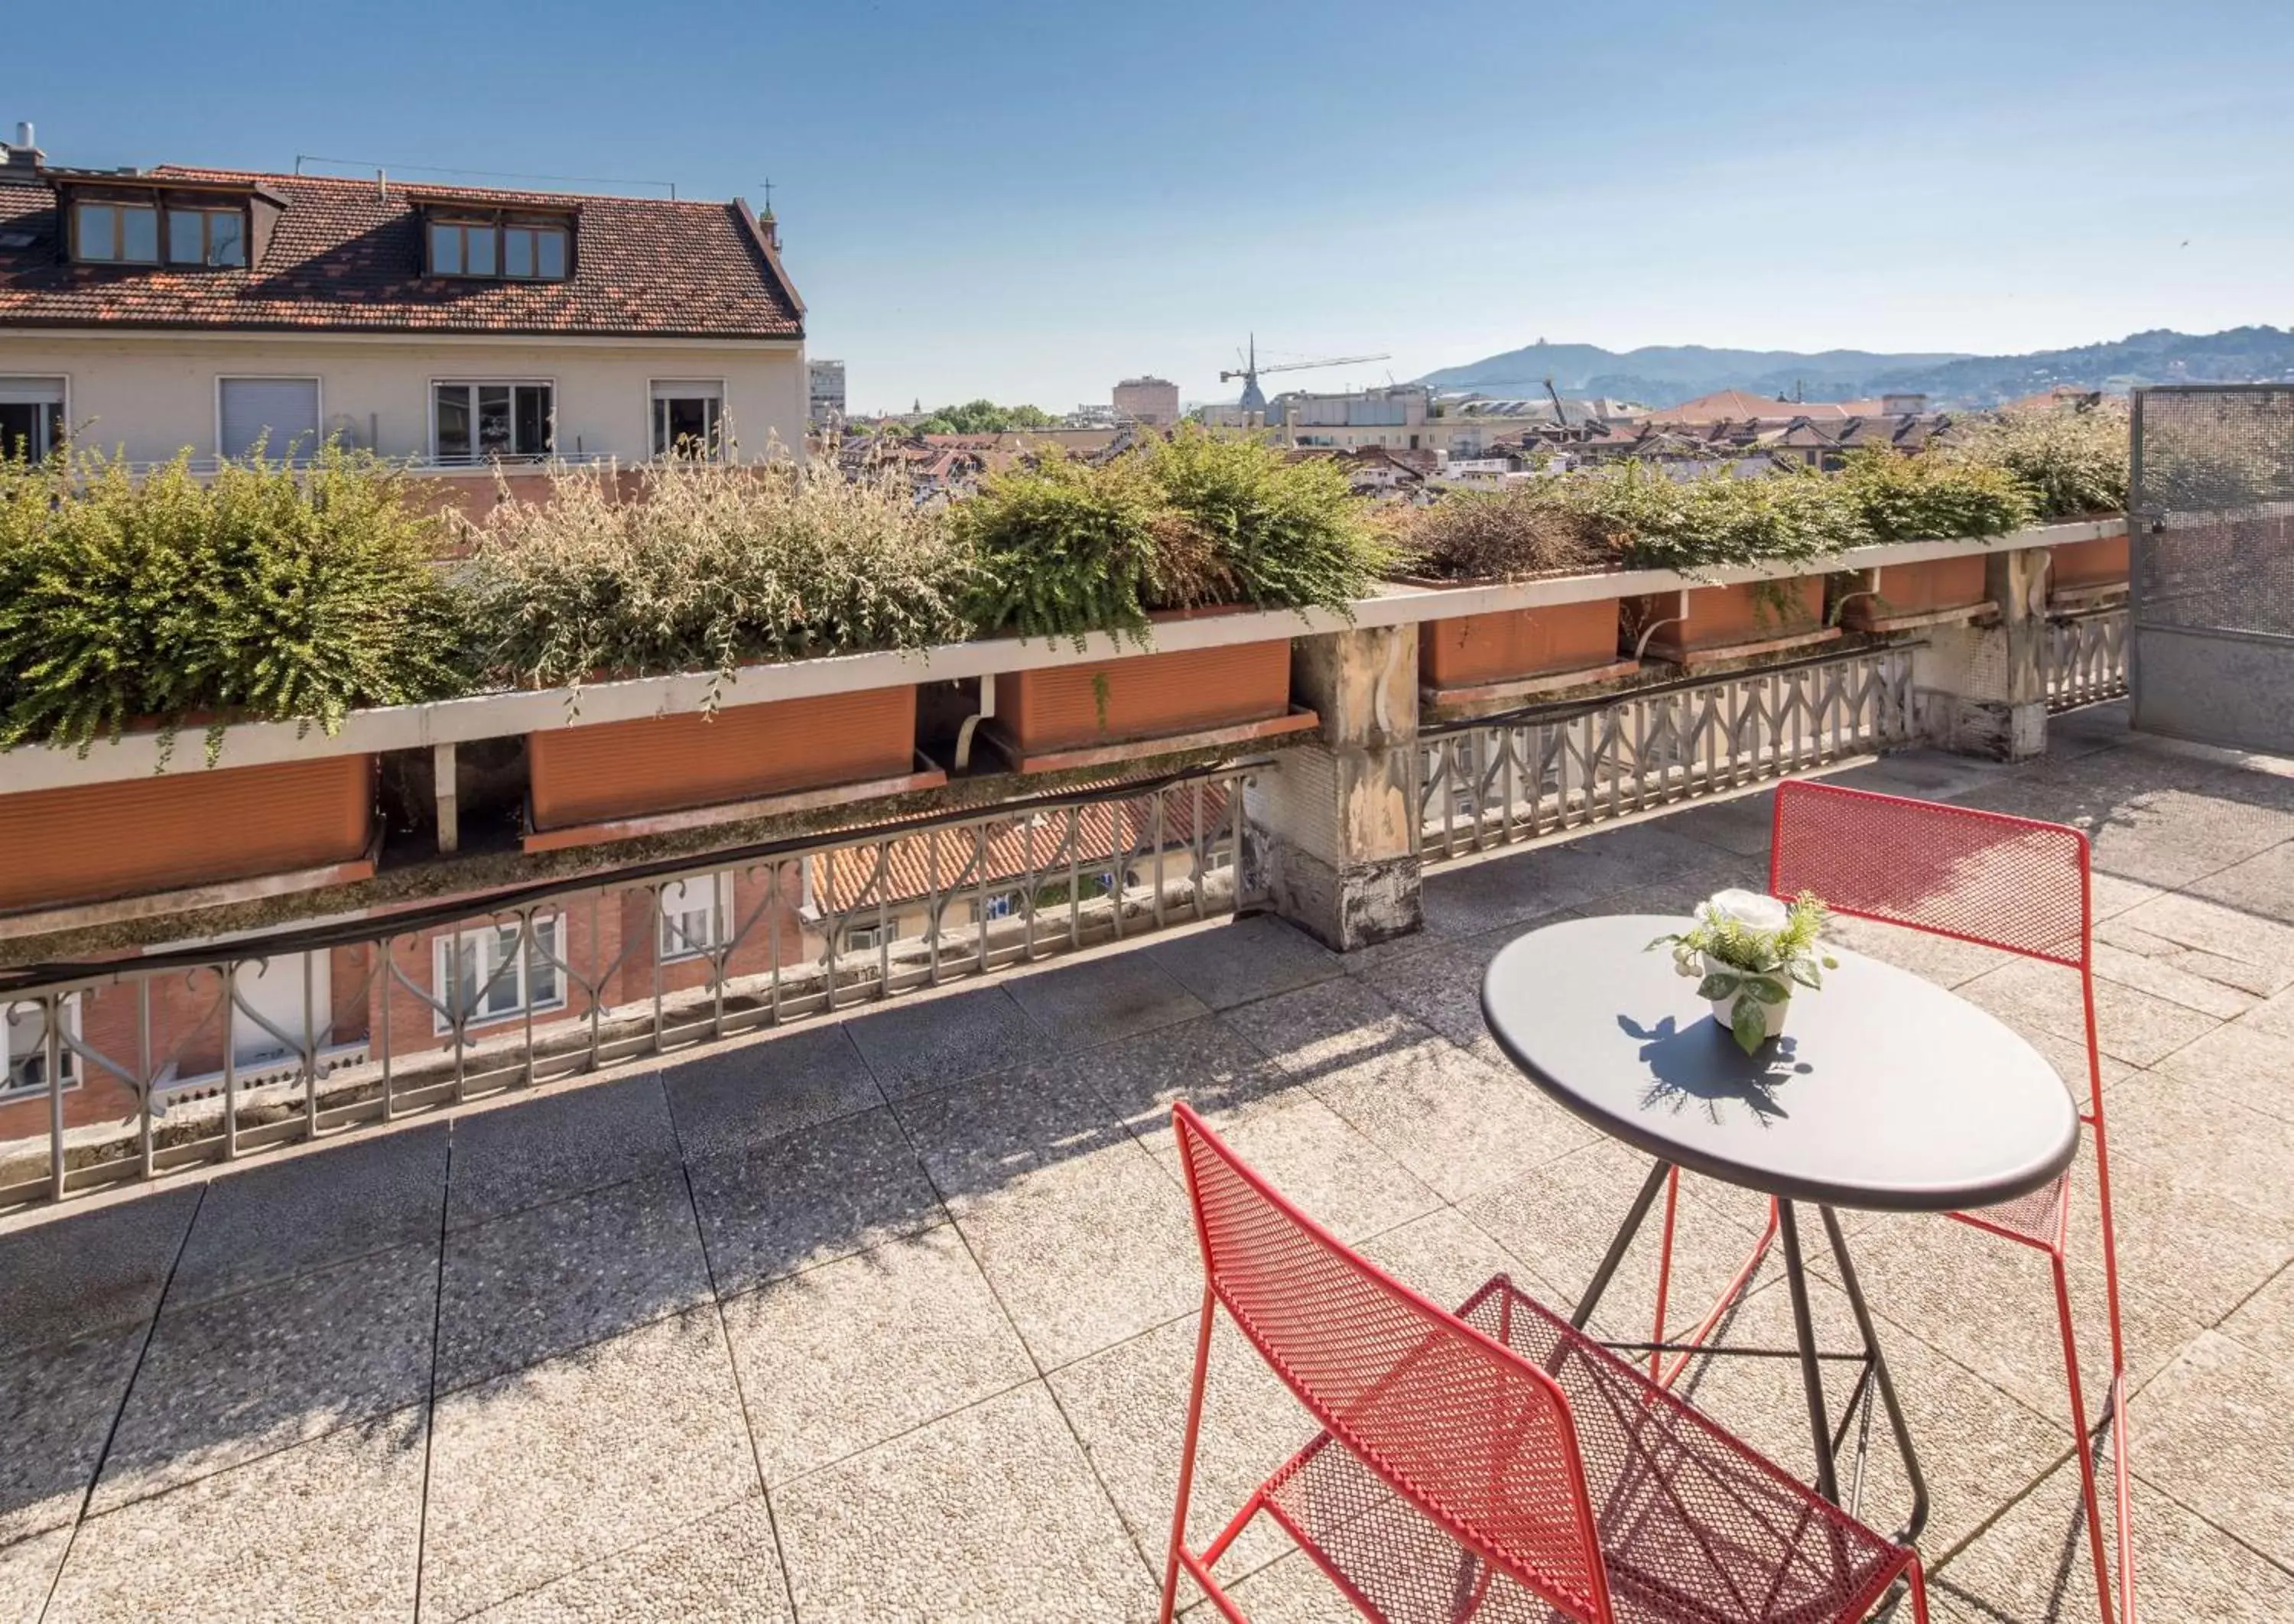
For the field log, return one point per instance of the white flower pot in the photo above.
(1724, 1009)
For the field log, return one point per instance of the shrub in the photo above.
(2076, 462)
(1289, 535)
(267, 593)
(1718, 518)
(1928, 496)
(1528, 528)
(706, 566)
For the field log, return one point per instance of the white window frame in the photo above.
(273, 452)
(652, 412)
(868, 936)
(475, 459)
(64, 413)
(716, 893)
(67, 1060)
(445, 959)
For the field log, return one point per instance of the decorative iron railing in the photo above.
(119, 1071)
(1494, 781)
(2085, 659)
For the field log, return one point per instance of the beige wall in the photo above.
(156, 394)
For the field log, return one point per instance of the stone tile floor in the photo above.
(891, 1319)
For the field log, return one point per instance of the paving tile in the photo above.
(57, 1407)
(1650, 851)
(1203, 1062)
(328, 1530)
(540, 1282)
(1128, 1404)
(729, 1100)
(263, 1370)
(2162, 977)
(1325, 1028)
(73, 1275)
(2182, 1242)
(2265, 1321)
(810, 1197)
(847, 1355)
(1085, 1253)
(988, 1516)
(535, 1475)
(28, 1569)
(281, 1219)
(2130, 1024)
(1442, 1255)
(1289, 1590)
(2216, 932)
(1316, 1159)
(554, 1145)
(975, 1137)
(1521, 886)
(2240, 1063)
(1441, 987)
(1940, 959)
(2263, 885)
(916, 1044)
(1235, 962)
(1739, 827)
(723, 1569)
(1103, 999)
(1460, 1125)
(2205, 1144)
(2033, 1566)
(2211, 1431)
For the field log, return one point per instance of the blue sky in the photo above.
(1029, 201)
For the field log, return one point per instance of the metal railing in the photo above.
(429, 1009)
(2085, 657)
(1495, 781)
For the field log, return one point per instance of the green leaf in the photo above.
(1718, 985)
(1768, 989)
(1748, 1028)
(1806, 973)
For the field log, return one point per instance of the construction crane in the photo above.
(1253, 399)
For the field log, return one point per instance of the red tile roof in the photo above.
(346, 255)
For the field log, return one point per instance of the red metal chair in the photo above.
(2012, 883)
(1493, 1463)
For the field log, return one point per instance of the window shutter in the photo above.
(286, 408)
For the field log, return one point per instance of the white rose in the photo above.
(1754, 910)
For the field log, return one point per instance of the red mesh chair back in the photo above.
(1460, 1427)
(1982, 877)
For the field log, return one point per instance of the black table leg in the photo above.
(1592, 1300)
(1879, 1367)
(1812, 1373)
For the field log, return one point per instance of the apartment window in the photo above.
(207, 237)
(860, 939)
(688, 418)
(24, 1048)
(696, 916)
(280, 414)
(482, 422)
(31, 417)
(491, 974)
(117, 234)
(522, 249)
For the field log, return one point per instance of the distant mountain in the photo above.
(1665, 375)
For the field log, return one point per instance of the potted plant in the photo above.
(2076, 462)
(1926, 496)
(268, 592)
(1187, 527)
(1748, 952)
(710, 567)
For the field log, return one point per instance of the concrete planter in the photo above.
(312, 821)
(1074, 715)
(1517, 652)
(1899, 597)
(1703, 625)
(618, 780)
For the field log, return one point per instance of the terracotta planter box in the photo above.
(193, 827)
(2088, 569)
(1703, 624)
(1550, 646)
(614, 780)
(1068, 715)
(1897, 597)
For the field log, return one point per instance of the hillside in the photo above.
(1664, 375)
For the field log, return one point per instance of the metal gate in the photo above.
(2211, 517)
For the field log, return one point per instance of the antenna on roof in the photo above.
(768, 197)
(382, 185)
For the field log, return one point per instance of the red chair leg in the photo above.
(1722, 1305)
(1919, 1583)
(2078, 1388)
(1187, 1462)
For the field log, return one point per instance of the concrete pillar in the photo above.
(1981, 687)
(1330, 824)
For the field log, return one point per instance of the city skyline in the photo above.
(1003, 203)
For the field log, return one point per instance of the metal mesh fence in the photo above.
(2212, 507)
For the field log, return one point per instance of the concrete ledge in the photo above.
(77, 916)
(1708, 659)
(1443, 703)
(647, 824)
(1299, 720)
(1913, 622)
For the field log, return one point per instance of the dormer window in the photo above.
(159, 228)
(520, 247)
(206, 236)
(117, 234)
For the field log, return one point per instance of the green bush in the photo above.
(706, 566)
(267, 593)
(1067, 547)
(1718, 518)
(1927, 496)
(1527, 528)
(2076, 462)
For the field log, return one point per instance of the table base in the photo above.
(1872, 1377)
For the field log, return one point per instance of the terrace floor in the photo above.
(891, 1319)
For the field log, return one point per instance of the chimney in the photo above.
(20, 159)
